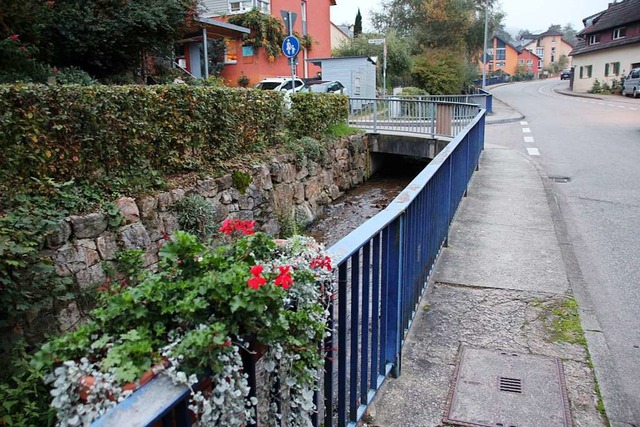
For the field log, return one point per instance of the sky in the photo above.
(532, 15)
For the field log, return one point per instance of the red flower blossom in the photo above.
(14, 37)
(231, 225)
(256, 270)
(320, 262)
(256, 281)
(284, 279)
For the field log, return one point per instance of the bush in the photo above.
(196, 215)
(73, 75)
(313, 114)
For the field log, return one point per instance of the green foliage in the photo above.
(308, 149)
(266, 31)
(24, 396)
(399, 51)
(196, 215)
(357, 27)
(110, 38)
(241, 180)
(606, 88)
(341, 129)
(414, 91)
(566, 323)
(439, 73)
(73, 76)
(312, 114)
(65, 132)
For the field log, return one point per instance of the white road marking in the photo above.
(528, 139)
(526, 130)
(524, 123)
(533, 151)
(610, 105)
(634, 109)
(621, 106)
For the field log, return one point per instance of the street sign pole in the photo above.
(289, 19)
(383, 42)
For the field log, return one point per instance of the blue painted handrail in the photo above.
(383, 268)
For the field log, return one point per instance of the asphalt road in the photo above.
(596, 145)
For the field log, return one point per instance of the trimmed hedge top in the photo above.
(71, 132)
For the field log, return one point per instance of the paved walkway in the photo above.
(500, 285)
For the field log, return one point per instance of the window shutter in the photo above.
(616, 68)
(606, 69)
(581, 72)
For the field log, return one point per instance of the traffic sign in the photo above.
(291, 46)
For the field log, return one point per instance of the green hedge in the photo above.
(313, 113)
(64, 132)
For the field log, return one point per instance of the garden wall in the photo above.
(286, 188)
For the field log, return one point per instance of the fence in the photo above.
(425, 117)
(383, 268)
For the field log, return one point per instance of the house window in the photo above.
(501, 54)
(553, 54)
(619, 33)
(520, 61)
(530, 62)
(356, 85)
(500, 64)
(231, 52)
(247, 51)
(594, 39)
(303, 10)
(612, 69)
(586, 71)
(540, 52)
(540, 64)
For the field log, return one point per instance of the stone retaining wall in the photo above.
(279, 189)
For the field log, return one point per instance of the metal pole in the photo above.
(384, 69)
(206, 53)
(292, 59)
(484, 52)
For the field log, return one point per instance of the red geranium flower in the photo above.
(256, 281)
(14, 37)
(231, 225)
(284, 279)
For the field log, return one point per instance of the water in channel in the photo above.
(359, 204)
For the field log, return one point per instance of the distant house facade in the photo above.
(609, 45)
(242, 60)
(549, 46)
(340, 34)
(501, 56)
(530, 60)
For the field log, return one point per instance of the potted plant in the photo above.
(194, 318)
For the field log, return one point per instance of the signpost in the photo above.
(383, 42)
(291, 44)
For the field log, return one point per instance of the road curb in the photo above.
(617, 407)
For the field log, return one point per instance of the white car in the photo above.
(280, 83)
(631, 85)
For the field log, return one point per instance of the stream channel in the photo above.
(359, 204)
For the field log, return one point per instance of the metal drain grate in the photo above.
(560, 179)
(488, 389)
(511, 385)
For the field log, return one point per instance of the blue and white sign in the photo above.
(291, 46)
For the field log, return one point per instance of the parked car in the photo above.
(565, 74)
(324, 86)
(631, 85)
(280, 83)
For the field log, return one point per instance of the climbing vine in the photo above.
(266, 31)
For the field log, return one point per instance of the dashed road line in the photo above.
(528, 139)
(533, 151)
(524, 123)
(526, 130)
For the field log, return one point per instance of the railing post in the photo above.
(375, 116)
(393, 297)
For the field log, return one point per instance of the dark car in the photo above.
(324, 86)
(565, 74)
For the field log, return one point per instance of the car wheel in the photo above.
(635, 92)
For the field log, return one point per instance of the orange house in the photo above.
(530, 59)
(503, 56)
(243, 60)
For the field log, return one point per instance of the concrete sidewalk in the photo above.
(500, 285)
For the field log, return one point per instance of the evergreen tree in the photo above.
(357, 27)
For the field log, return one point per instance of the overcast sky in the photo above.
(535, 16)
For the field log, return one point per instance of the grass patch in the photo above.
(341, 129)
(566, 325)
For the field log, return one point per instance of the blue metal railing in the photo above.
(383, 268)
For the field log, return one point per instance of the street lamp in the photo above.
(484, 51)
(383, 42)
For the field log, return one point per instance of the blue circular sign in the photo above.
(291, 46)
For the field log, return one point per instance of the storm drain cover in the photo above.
(507, 389)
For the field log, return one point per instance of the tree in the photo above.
(357, 27)
(439, 72)
(570, 34)
(399, 52)
(524, 34)
(109, 37)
